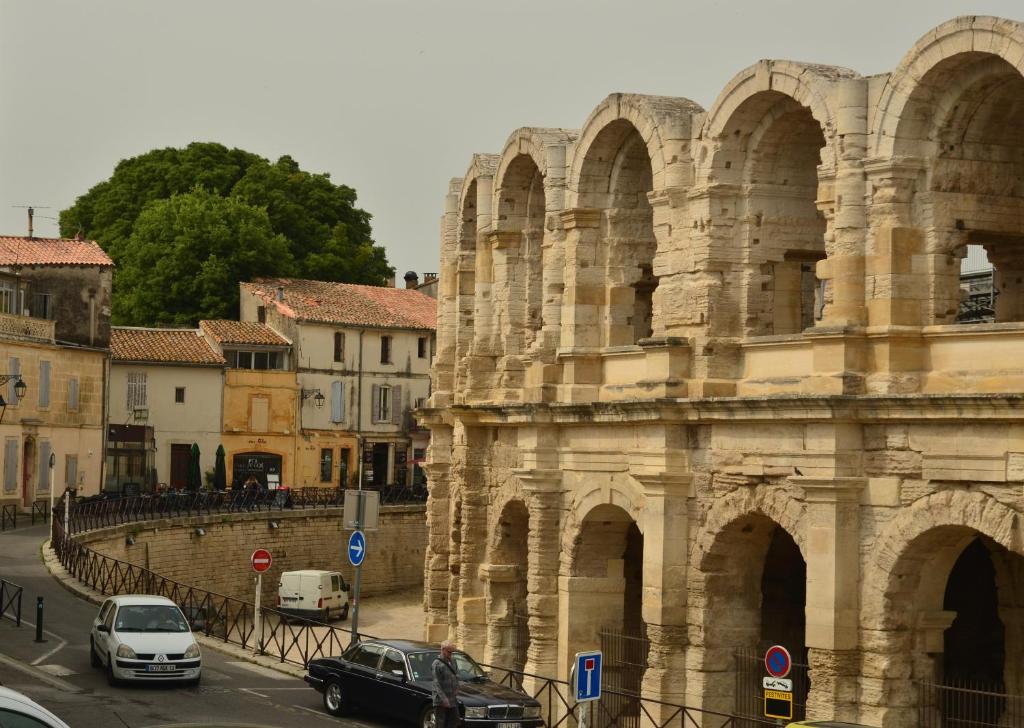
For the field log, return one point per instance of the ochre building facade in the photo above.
(700, 386)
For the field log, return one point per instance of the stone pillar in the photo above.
(437, 577)
(666, 535)
(833, 586)
(448, 300)
(543, 497)
(499, 581)
(471, 617)
(583, 307)
(1007, 281)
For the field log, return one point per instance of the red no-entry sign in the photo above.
(777, 661)
(261, 560)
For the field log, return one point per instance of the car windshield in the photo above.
(150, 618)
(420, 663)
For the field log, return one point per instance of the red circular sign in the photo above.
(261, 560)
(777, 661)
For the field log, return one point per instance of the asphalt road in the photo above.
(57, 674)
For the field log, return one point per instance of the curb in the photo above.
(68, 582)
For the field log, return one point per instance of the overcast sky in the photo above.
(390, 97)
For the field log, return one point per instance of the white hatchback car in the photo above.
(144, 638)
(16, 709)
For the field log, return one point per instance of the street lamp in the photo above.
(316, 394)
(19, 391)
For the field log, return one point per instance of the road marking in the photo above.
(57, 670)
(317, 713)
(38, 674)
(253, 692)
(260, 670)
(55, 650)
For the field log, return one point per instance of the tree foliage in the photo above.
(326, 236)
(186, 254)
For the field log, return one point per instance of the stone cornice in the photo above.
(581, 218)
(830, 490)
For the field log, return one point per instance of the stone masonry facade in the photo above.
(700, 384)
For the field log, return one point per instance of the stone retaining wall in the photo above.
(218, 561)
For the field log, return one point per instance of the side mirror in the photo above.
(103, 628)
(399, 674)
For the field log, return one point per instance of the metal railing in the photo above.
(10, 601)
(8, 516)
(101, 511)
(559, 708)
(959, 704)
(750, 691)
(40, 509)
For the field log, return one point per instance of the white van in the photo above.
(313, 594)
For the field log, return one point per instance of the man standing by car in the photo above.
(446, 686)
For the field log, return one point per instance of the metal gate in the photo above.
(520, 636)
(625, 660)
(958, 704)
(750, 694)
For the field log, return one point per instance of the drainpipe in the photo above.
(103, 423)
(359, 410)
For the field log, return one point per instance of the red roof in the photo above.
(51, 251)
(168, 346)
(348, 304)
(242, 332)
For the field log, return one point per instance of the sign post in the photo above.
(261, 561)
(778, 690)
(586, 682)
(356, 554)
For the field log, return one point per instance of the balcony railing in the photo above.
(24, 326)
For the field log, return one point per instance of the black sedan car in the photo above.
(392, 679)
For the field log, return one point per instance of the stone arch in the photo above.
(626, 495)
(768, 153)
(737, 603)
(952, 114)
(903, 616)
(631, 151)
(965, 34)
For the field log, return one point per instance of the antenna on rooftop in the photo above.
(31, 213)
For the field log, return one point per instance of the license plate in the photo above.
(159, 668)
(510, 725)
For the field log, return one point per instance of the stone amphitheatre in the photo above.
(701, 387)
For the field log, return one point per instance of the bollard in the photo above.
(39, 620)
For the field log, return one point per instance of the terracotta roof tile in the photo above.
(172, 346)
(51, 251)
(348, 304)
(242, 332)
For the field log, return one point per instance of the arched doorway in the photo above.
(606, 599)
(753, 580)
(508, 632)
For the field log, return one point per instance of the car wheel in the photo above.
(344, 613)
(325, 616)
(111, 680)
(94, 659)
(428, 718)
(334, 699)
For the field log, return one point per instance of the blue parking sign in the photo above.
(588, 676)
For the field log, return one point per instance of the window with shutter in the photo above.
(339, 346)
(44, 465)
(396, 405)
(10, 464)
(385, 349)
(71, 470)
(44, 384)
(73, 394)
(337, 401)
(136, 390)
(13, 367)
(375, 403)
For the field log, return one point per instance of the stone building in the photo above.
(54, 338)
(700, 385)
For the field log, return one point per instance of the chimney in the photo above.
(31, 212)
(411, 279)
(280, 293)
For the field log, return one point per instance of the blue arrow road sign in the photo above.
(356, 548)
(588, 676)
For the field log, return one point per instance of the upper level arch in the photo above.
(663, 123)
(528, 149)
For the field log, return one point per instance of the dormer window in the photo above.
(260, 360)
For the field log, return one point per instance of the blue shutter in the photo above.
(14, 367)
(73, 393)
(44, 384)
(11, 464)
(44, 465)
(337, 402)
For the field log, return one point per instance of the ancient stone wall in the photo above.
(716, 395)
(218, 560)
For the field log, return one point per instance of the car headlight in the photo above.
(476, 712)
(192, 652)
(531, 711)
(126, 652)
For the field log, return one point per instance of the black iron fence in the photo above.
(103, 511)
(40, 510)
(963, 704)
(625, 660)
(561, 710)
(750, 692)
(10, 601)
(8, 516)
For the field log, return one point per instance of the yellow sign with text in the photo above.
(778, 704)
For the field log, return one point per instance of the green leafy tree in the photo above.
(327, 236)
(186, 254)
